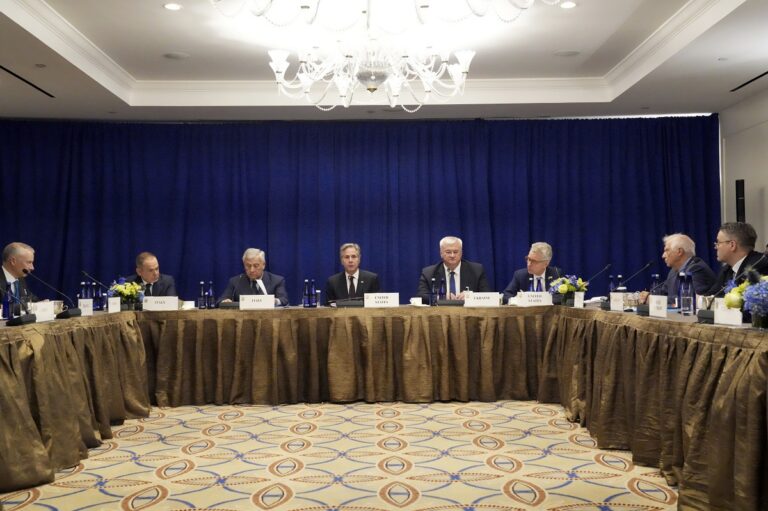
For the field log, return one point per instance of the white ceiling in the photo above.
(103, 59)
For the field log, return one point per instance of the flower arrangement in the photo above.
(734, 295)
(127, 291)
(756, 297)
(568, 284)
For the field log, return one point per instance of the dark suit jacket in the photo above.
(748, 264)
(24, 291)
(703, 278)
(472, 277)
(520, 280)
(241, 285)
(337, 286)
(165, 286)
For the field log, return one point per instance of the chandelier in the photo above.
(399, 78)
(376, 69)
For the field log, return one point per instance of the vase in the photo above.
(127, 306)
(760, 321)
(567, 299)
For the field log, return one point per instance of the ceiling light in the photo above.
(568, 5)
(173, 6)
(371, 76)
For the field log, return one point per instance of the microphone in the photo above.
(638, 272)
(93, 279)
(599, 273)
(72, 312)
(752, 274)
(22, 319)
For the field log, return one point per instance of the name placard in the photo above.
(381, 300)
(256, 302)
(533, 298)
(617, 302)
(578, 300)
(727, 316)
(113, 304)
(657, 306)
(160, 303)
(478, 299)
(86, 306)
(43, 311)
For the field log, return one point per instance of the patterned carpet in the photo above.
(360, 457)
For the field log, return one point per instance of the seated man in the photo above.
(456, 274)
(735, 247)
(17, 257)
(680, 255)
(255, 281)
(149, 277)
(537, 271)
(352, 282)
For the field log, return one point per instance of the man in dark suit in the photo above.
(148, 275)
(735, 247)
(456, 274)
(352, 282)
(680, 255)
(17, 257)
(255, 281)
(537, 273)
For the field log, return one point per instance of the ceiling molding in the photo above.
(691, 21)
(37, 17)
(47, 25)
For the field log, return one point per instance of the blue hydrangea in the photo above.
(756, 298)
(729, 286)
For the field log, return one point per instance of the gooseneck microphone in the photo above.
(22, 319)
(72, 312)
(599, 273)
(638, 272)
(94, 279)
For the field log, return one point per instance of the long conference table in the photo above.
(685, 398)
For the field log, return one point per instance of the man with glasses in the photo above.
(537, 274)
(735, 246)
(17, 257)
(456, 274)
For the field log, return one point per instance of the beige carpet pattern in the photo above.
(507, 455)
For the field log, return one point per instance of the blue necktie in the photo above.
(538, 284)
(452, 285)
(16, 287)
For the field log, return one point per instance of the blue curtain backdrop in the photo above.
(92, 195)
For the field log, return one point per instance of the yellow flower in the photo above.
(734, 300)
(563, 289)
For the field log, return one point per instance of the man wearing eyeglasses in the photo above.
(735, 246)
(455, 273)
(537, 274)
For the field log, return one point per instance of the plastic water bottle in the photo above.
(202, 298)
(655, 283)
(305, 295)
(98, 298)
(83, 291)
(620, 287)
(530, 285)
(211, 296)
(611, 284)
(441, 295)
(686, 295)
(312, 294)
(433, 292)
(7, 303)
